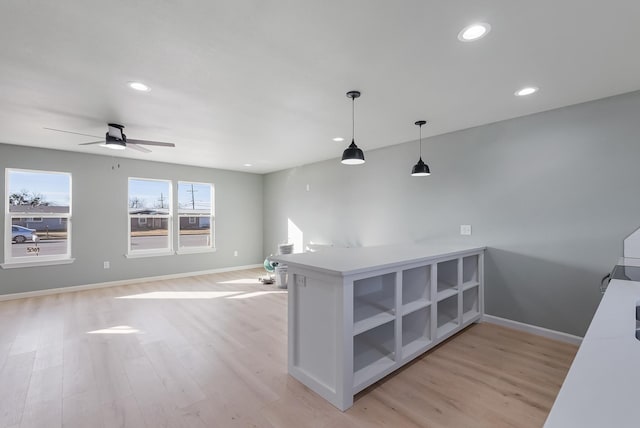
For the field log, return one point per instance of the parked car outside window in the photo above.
(21, 234)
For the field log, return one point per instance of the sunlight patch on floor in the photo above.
(255, 294)
(252, 281)
(119, 329)
(181, 295)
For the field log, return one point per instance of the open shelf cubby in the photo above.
(416, 332)
(416, 288)
(470, 304)
(447, 315)
(447, 278)
(470, 270)
(373, 352)
(373, 302)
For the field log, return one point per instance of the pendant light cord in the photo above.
(420, 141)
(353, 119)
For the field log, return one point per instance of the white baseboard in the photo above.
(73, 288)
(533, 329)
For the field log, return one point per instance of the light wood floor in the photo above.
(210, 351)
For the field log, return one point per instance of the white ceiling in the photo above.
(264, 82)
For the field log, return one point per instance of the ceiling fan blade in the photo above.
(95, 142)
(150, 143)
(69, 132)
(134, 146)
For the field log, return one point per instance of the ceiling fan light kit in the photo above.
(114, 145)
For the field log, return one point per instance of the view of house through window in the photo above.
(195, 212)
(38, 213)
(149, 215)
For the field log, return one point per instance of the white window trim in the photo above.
(13, 265)
(131, 253)
(15, 262)
(195, 250)
(212, 245)
(149, 253)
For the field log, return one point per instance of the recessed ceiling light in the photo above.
(338, 139)
(474, 32)
(528, 90)
(139, 86)
(248, 164)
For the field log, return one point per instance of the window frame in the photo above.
(39, 260)
(155, 251)
(211, 215)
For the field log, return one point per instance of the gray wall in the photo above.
(100, 219)
(552, 195)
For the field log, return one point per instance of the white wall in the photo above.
(100, 196)
(552, 195)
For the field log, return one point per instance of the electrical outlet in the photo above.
(107, 265)
(465, 229)
(235, 253)
(301, 281)
(308, 187)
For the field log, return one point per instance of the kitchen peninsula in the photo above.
(358, 314)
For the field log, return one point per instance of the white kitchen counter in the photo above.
(351, 261)
(601, 388)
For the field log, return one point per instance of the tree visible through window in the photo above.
(38, 216)
(149, 216)
(195, 213)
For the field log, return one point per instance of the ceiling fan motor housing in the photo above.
(115, 133)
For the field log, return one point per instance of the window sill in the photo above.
(195, 250)
(143, 255)
(14, 265)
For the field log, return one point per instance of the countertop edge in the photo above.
(286, 260)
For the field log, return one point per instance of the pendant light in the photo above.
(420, 169)
(352, 154)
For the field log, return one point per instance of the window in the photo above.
(150, 225)
(45, 239)
(195, 215)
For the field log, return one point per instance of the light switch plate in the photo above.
(465, 229)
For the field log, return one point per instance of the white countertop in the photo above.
(602, 386)
(350, 261)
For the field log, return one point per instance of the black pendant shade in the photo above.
(353, 155)
(420, 169)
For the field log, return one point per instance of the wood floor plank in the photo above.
(211, 351)
(43, 405)
(77, 374)
(123, 412)
(82, 409)
(16, 377)
(109, 373)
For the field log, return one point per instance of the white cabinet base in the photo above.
(349, 328)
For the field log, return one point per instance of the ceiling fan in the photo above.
(115, 139)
